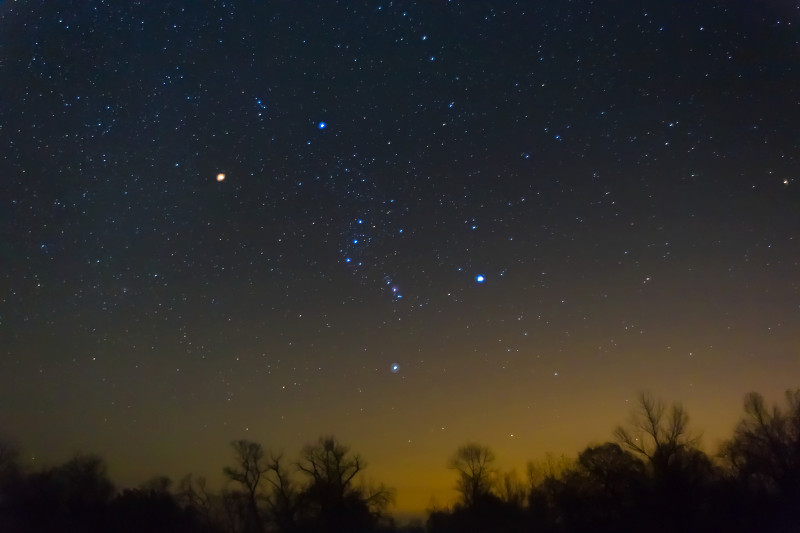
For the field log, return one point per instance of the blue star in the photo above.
(395, 368)
(321, 125)
(479, 278)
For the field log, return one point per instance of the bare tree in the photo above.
(235, 515)
(249, 473)
(512, 489)
(657, 434)
(282, 500)
(332, 501)
(551, 467)
(476, 473)
(330, 465)
(193, 494)
(545, 484)
(765, 449)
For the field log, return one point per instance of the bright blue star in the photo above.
(321, 125)
(479, 278)
(395, 368)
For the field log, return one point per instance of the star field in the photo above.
(405, 224)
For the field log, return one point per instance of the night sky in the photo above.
(439, 222)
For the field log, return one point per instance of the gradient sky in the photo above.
(440, 222)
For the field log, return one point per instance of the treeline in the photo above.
(654, 477)
(321, 492)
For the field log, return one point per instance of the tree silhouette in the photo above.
(283, 499)
(330, 499)
(764, 457)
(544, 495)
(655, 478)
(682, 476)
(248, 473)
(613, 470)
(512, 490)
(152, 507)
(69, 497)
(765, 449)
(655, 434)
(82, 483)
(194, 495)
(476, 473)
(602, 490)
